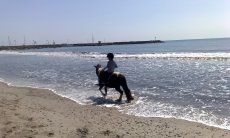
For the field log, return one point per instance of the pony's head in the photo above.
(98, 66)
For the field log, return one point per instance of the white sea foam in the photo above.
(145, 108)
(1, 80)
(197, 56)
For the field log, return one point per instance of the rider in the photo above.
(111, 65)
(109, 69)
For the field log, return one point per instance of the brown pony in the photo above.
(115, 81)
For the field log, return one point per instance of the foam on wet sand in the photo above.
(28, 112)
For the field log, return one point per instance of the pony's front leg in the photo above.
(100, 89)
(105, 88)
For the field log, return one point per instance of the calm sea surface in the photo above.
(187, 79)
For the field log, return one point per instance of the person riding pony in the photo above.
(108, 78)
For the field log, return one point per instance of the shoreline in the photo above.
(33, 112)
(109, 99)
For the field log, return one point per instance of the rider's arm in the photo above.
(107, 66)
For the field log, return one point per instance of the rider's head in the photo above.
(110, 56)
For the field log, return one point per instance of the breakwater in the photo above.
(23, 47)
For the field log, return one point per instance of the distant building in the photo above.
(99, 43)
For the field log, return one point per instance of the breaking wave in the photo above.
(196, 56)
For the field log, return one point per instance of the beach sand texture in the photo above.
(28, 112)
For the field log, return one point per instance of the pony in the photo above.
(116, 80)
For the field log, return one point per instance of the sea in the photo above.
(183, 79)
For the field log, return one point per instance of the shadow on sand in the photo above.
(102, 101)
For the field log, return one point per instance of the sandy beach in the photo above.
(28, 112)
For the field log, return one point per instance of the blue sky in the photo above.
(75, 21)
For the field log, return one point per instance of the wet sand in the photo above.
(28, 112)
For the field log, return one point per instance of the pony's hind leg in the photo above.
(127, 90)
(121, 93)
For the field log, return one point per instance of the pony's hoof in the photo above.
(104, 95)
(129, 100)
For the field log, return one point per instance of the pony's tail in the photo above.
(126, 89)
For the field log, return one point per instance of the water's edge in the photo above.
(77, 102)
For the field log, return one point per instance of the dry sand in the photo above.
(27, 112)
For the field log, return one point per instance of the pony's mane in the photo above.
(100, 69)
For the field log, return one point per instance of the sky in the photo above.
(77, 21)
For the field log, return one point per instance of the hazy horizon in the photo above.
(78, 21)
(50, 42)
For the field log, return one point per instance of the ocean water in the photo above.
(187, 79)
